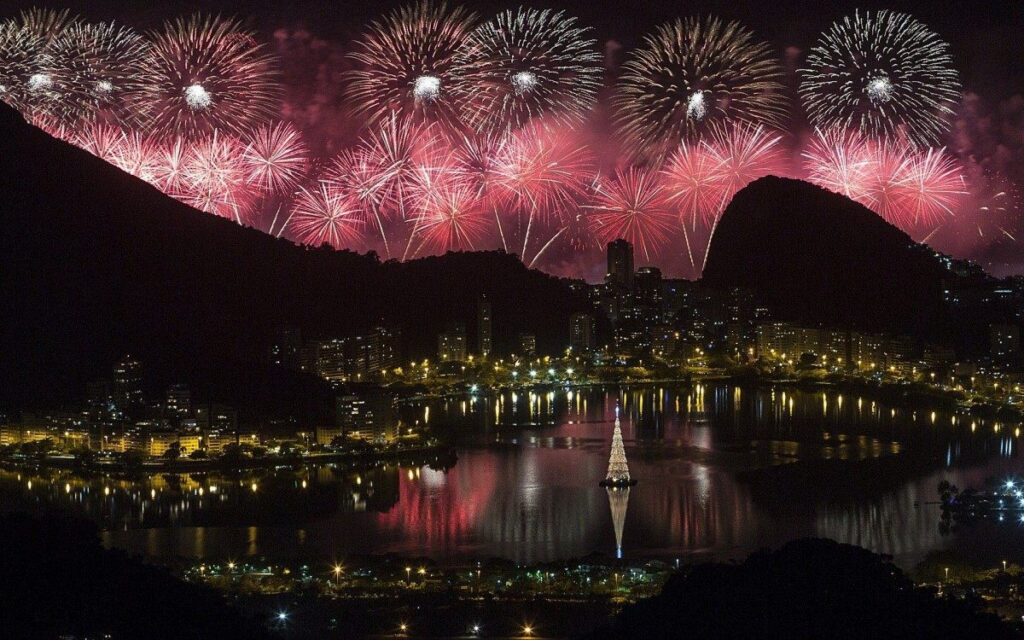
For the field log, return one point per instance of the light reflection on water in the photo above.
(722, 470)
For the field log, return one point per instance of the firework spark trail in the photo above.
(406, 61)
(450, 216)
(204, 74)
(528, 64)
(883, 73)
(22, 56)
(276, 158)
(215, 177)
(693, 74)
(839, 161)
(695, 186)
(475, 162)
(633, 205)
(95, 68)
(541, 174)
(358, 174)
(324, 214)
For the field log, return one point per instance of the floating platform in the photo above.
(617, 483)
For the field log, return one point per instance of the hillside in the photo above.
(96, 264)
(816, 257)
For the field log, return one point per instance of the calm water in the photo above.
(722, 470)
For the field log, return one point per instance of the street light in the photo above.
(1004, 566)
(947, 574)
(408, 575)
(337, 573)
(527, 630)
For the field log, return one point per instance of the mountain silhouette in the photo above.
(816, 257)
(95, 263)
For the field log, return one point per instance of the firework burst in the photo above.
(325, 214)
(95, 68)
(22, 57)
(405, 63)
(215, 177)
(692, 74)
(47, 24)
(634, 206)
(207, 74)
(276, 158)
(931, 189)
(449, 216)
(100, 139)
(527, 64)
(883, 73)
(839, 161)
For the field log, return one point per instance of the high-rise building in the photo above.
(581, 332)
(451, 345)
(179, 400)
(620, 264)
(384, 349)
(527, 345)
(368, 418)
(483, 328)
(127, 388)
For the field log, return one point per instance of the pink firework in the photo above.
(397, 148)
(362, 177)
(634, 206)
(325, 214)
(450, 217)
(101, 140)
(276, 158)
(138, 155)
(215, 177)
(885, 186)
(695, 184)
(839, 161)
(169, 173)
(541, 171)
(743, 154)
(933, 188)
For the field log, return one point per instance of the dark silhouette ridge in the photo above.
(95, 264)
(58, 581)
(816, 257)
(812, 588)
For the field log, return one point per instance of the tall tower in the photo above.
(620, 264)
(483, 327)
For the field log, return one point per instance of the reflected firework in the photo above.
(692, 74)
(405, 62)
(884, 73)
(203, 74)
(527, 64)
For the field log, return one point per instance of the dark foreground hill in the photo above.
(95, 264)
(816, 257)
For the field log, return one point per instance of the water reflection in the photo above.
(721, 469)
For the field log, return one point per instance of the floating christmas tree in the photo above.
(618, 469)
